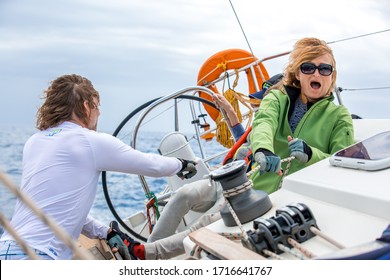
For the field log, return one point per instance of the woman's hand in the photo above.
(222, 103)
(299, 149)
(268, 161)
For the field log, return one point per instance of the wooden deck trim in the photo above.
(222, 247)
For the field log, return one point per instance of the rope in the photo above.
(58, 231)
(317, 232)
(244, 234)
(229, 193)
(303, 252)
(236, 79)
(285, 172)
(196, 251)
(239, 189)
(272, 254)
(291, 251)
(152, 205)
(232, 235)
(299, 247)
(222, 65)
(245, 100)
(242, 188)
(223, 134)
(288, 159)
(7, 226)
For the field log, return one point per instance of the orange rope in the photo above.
(152, 206)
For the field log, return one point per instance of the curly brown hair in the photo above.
(306, 50)
(64, 96)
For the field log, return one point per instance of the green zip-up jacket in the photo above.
(326, 128)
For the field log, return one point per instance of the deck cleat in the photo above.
(302, 218)
(292, 221)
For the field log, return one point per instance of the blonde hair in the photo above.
(64, 96)
(306, 50)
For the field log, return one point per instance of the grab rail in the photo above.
(164, 99)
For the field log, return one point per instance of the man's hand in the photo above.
(117, 245)
(188, 169)
(268, 161)
(299, 149)
(121, 242)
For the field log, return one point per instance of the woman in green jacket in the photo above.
(298, 116)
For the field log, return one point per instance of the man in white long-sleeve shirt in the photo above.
(62, 163)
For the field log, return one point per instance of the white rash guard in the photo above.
(61, 169)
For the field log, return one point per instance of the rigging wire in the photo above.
(242, 29)
(357, 89)
(331, 42)
(359, 36)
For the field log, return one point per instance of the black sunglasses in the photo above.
(309, 68)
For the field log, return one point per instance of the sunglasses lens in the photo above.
(308, 68)
(325, 69)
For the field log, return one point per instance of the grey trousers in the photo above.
(197, 196)
(166, 248)
(172, 246)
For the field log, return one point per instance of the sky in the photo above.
(134, 51)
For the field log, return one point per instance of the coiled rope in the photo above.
(303, 252)
(240, 189)
(223, 134)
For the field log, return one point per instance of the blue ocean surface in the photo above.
(125, 190)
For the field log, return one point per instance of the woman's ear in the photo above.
(298, 75)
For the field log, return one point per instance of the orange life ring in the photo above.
(223, 61)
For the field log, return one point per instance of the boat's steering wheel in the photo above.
(116, 132)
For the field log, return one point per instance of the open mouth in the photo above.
(315, 85)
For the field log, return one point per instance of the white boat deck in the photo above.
(363, 191)
(350, 206)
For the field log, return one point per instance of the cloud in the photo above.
(134, 51)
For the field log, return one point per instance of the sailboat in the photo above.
(321, 212)
(324, 211)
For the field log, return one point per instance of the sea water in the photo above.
(124, 190)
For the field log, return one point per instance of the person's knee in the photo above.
(196, 196)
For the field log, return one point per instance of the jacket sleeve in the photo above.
(265, 124)
(238, 130)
